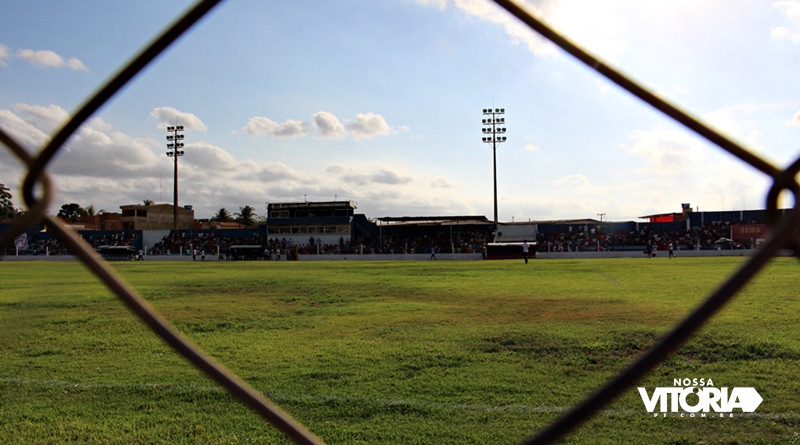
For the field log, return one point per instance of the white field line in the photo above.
(385, 402)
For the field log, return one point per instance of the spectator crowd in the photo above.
(563, 238)
(582, 238)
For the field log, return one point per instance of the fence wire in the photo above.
(783, 234)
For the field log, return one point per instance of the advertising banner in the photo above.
(750, 231)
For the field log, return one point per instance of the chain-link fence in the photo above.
(783, 234)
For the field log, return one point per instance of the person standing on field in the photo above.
(525, 250)
(671, 251)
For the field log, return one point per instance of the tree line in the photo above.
(246, 215)
(7, 209)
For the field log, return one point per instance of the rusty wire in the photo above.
(783, 234)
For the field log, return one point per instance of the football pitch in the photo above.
(414, 352)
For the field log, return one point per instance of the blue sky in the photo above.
(380, 103)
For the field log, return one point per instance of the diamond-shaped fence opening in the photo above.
(783, 234)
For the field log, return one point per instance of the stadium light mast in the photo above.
(491, 130)
(174, 144)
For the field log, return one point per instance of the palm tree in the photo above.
(91, 212)
(148, 202)
(223, 215)
(246, 216)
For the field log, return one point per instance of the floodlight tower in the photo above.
(174, 144)
(490, 136)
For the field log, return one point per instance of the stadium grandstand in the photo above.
(298, 230)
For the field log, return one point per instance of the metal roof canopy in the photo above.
(311, 205)
(561, 221)
(472, 219)
(518, 243)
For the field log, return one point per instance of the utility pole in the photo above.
(601, 216)
(174, 144)
(490, 133)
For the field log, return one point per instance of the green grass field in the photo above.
(481, 352)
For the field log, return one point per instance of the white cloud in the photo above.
(384, 176)
(41, 58)
(780, 33)
(391, 177)
(791, 10)
(278, 172)
(108, 168)
(369, 174)
(115, 155)
(214, 166)
(336, 169)
(75, 64)
(516, 30)
(210, 158)
(441, 182)
(23, 132)
(369, 125)
(291, 129)
(98, 124)
(739, 120)
(365, 126)
(572, 181)
(47, 58)
(3, 54)
(168, 116)
(667, 152)
(439, 3)
(531, 147)
(46, 119)
(594, 24)
(262, 126)
(794, 121)
(722, 120)
(597, 25)
(679, 89)
(328, 126)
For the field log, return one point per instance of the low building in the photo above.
(327, 222)
(205, 224)
(100, 221)
(428, 234)
(155, 217)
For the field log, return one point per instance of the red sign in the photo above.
(750, 231)
(663, 218)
